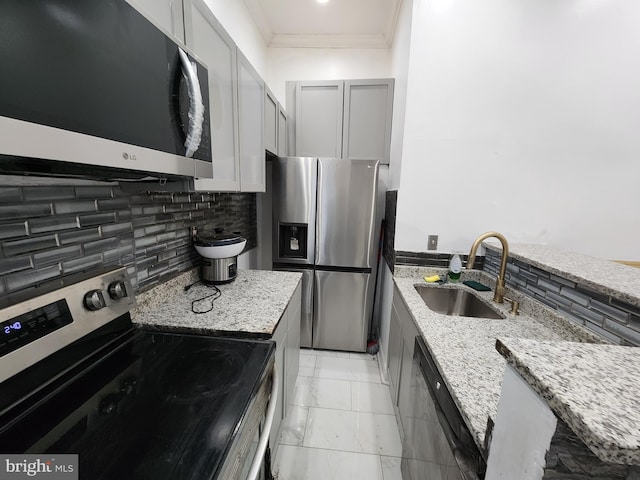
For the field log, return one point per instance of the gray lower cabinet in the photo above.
(395, 354)
(402, 335)
(342, 119)
(287, 338)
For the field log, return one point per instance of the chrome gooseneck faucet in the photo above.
(498, 297)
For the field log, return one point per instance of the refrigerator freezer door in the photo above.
(306, 312)
(346, 225)
(342, 304)
(294, 209)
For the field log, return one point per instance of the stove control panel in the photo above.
(52, 318)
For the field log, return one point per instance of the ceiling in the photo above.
(335, 24)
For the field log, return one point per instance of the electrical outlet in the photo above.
(432, 242)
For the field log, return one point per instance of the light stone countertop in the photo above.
(607, 277)
(464, 347)
(593, 388)
(251, 305)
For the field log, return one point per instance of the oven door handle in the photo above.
(264, 437)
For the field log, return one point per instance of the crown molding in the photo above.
(329, 41)
(260, 19)
(274, 40)
(392, 23)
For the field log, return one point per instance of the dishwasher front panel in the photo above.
(437, 445)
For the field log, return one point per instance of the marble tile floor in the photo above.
(341, 425)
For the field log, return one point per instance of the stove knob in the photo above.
(128, 385)
(117, 290)
(109, 404)
(94, 300)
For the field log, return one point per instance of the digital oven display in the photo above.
(30, 326)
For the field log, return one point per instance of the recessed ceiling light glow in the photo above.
(322, 1)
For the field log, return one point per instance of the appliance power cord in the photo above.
(213, 296)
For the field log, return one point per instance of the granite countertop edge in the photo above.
(603, 276)
(251, 306)
(573, 407)
(538, 324)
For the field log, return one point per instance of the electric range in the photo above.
(78, 378)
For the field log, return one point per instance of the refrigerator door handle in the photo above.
(319, 190)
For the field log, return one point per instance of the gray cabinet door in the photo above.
(271, 117)
(292, 355)
(283, 134)
(206, 37)
(250, 127)
(395, 354)
(368, 108)
(165, 14)
(318, 119)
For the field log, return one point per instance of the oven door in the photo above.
(249, 458)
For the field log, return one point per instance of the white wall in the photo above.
(238, 22)
(324, 64)
(522, 116)
(400, 71)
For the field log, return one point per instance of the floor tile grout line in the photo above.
(345, 451)
(341, 410)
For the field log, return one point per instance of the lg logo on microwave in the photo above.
(128, 156)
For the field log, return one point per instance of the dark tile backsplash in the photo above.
(429, 259)
(388, 243)
(611, 318)
(51, 231)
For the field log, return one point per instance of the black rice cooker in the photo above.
(219, 252)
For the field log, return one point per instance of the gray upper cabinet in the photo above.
(275, 126)
(251, 90)
(208, 39)
(165, 14)
(271, 114)
(367, 117)
(318, 119)
(283, 133)
(342, 119)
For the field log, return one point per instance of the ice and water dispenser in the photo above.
(292, 240)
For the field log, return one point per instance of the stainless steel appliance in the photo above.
(326, 225)
(76, 378)
(95, 83)
(219, 252)
(437, 444)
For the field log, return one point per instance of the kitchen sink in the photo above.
(456, 301)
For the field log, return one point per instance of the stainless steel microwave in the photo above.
(99, 89)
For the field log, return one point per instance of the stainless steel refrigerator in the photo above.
(325, 225)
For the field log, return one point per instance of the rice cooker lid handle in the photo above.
(218, 238)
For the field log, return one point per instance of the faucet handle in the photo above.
(514, 306)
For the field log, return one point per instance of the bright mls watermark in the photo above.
(51, 467)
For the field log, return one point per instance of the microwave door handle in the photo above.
(264, 437)
(196, 106)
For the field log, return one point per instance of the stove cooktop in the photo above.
(157, 406)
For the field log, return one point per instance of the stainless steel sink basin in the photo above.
(455, 301)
